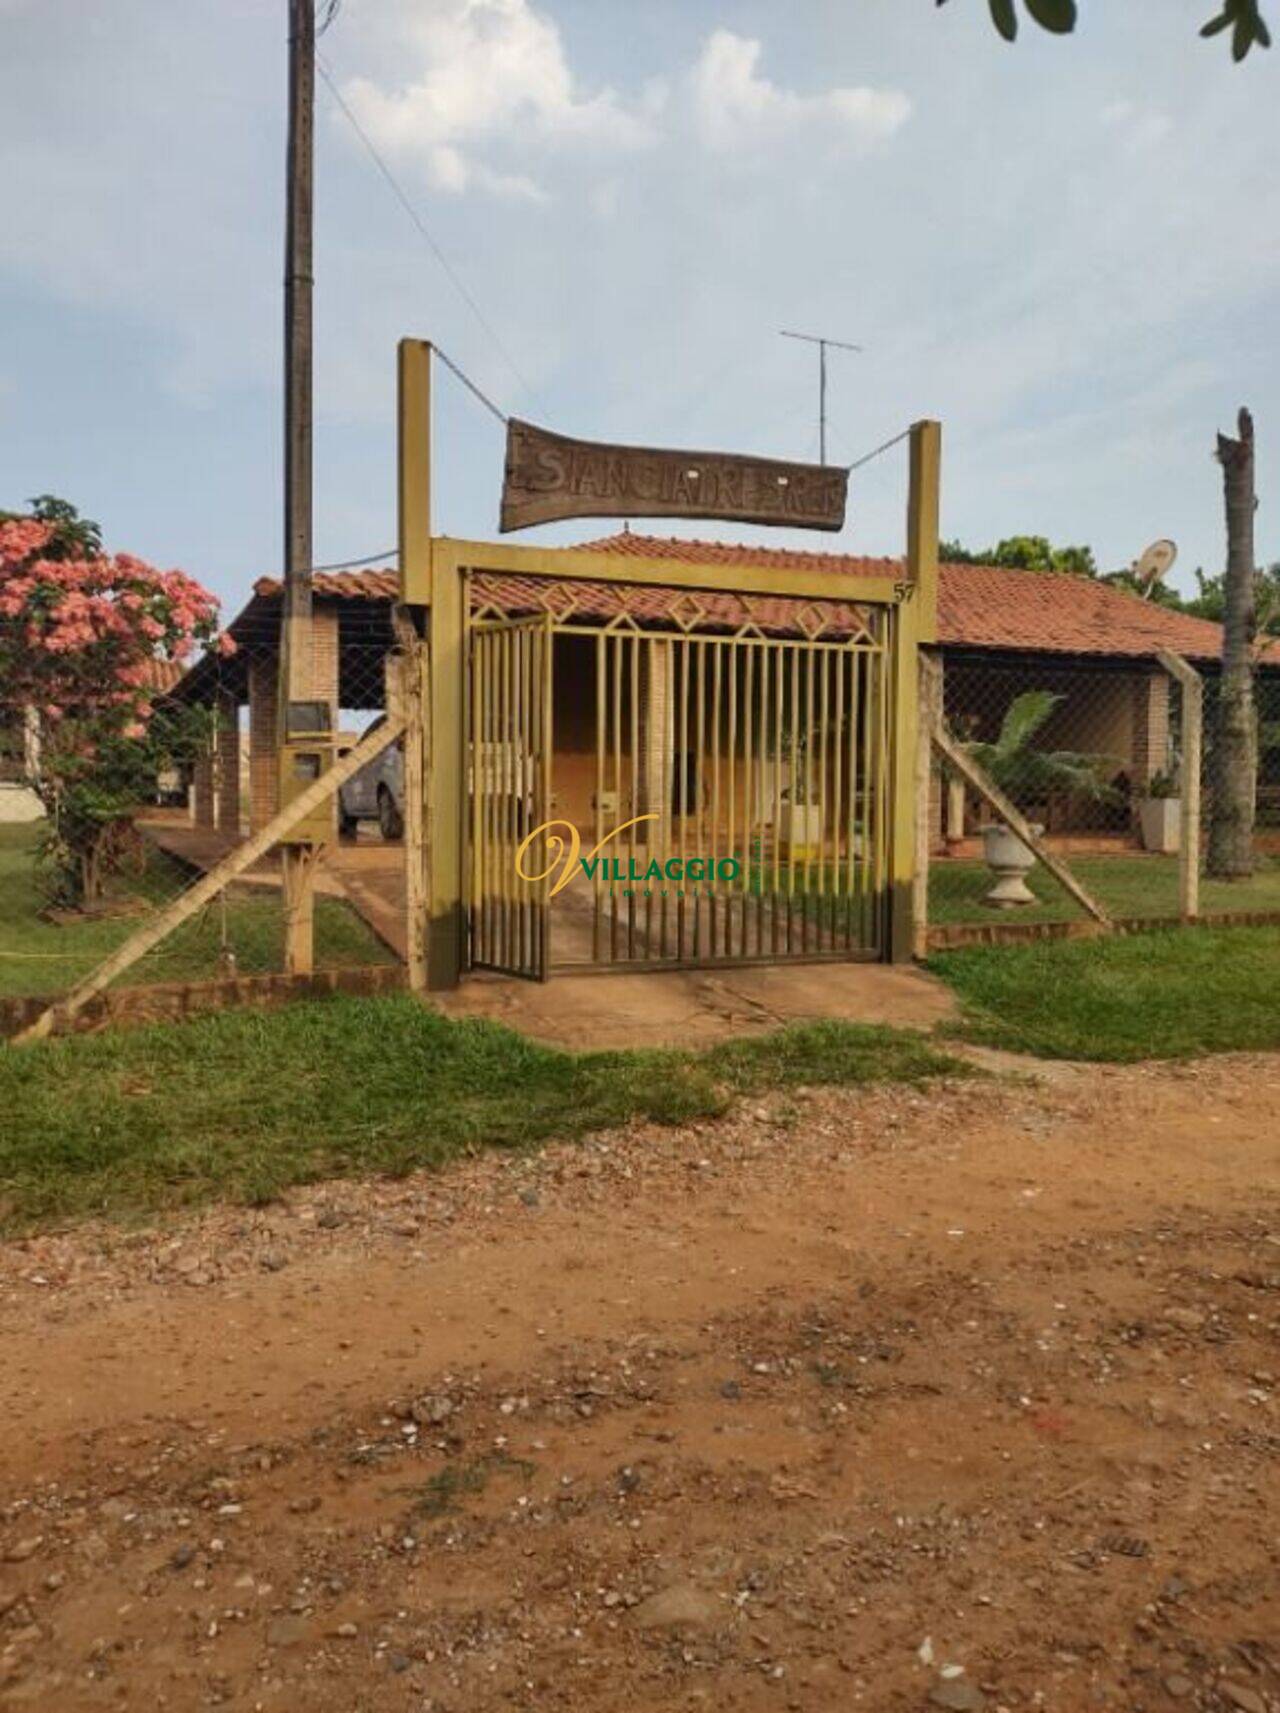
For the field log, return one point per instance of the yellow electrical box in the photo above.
(306, 754)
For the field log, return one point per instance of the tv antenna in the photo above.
(821, 342)
(1153, 564)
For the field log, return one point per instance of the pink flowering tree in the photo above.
(82, 633)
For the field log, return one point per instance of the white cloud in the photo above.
(1138, 125)
(735, 106)
(488, 68)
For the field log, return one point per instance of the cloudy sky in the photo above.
(1068, 250)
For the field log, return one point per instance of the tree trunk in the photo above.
(1235, 749)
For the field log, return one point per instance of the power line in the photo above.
(425, 233)
(351, 564)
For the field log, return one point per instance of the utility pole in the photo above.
(298, 287)
(821, 342)
(296, 664)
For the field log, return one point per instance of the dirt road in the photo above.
(887, 1400)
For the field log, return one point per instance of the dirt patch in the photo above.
(697, 1008)
(878, 1400)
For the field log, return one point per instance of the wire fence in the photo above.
(83, 869)
(1094, 756)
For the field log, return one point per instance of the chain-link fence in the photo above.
(1094, 754)
(91, 855)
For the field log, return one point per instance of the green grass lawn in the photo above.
(244, 1103)
(1170, 994)
(1135, 885)
(41, 957)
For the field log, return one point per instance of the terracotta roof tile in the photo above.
(986, 606)
(979, 606)
(162, 675)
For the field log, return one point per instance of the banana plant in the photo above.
(1025, 773)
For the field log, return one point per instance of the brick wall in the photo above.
(228, 768)
(1150, 726)
(264, 706)
(263, 738)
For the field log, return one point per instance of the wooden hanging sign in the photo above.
(549, 476)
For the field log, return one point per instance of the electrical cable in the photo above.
(425, 233)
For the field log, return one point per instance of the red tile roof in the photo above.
(979, 606)
(986, 606)
(382, 585)
(162, 675)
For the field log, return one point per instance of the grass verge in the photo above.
(242, 1104)
(1137, 885)
(42, 957)
(1166, 995)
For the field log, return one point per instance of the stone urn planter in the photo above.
(1009, 860)
(1161, 821)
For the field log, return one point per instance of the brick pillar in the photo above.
(1150, 726)
(264, 738)
(202, 791)
(229, 764)
(324, 655)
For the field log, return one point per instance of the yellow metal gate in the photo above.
(509, 790)
(738, 806)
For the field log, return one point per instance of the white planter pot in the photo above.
(1009, 860)
(1161, 821)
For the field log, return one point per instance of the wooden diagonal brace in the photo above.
(962, 763)
(209, 885)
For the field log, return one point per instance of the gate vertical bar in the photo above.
(542, 809)
(717, 681)
(601, 697)
(634, 805)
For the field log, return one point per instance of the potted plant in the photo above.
(1025, 773)
(1160, 814)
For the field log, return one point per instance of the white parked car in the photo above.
(375, 793)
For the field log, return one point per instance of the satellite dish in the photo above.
(1153, 565)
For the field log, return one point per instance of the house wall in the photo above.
(1118, 713)
(264, 715)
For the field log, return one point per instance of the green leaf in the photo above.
(1005, 18)
(1215, 26)
(1023, 718)
(1056, 15)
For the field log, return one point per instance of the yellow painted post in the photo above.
(433, 835)
(914, 622)
(930, 716)
(922, 524)
(414, 469)
(407, 690)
